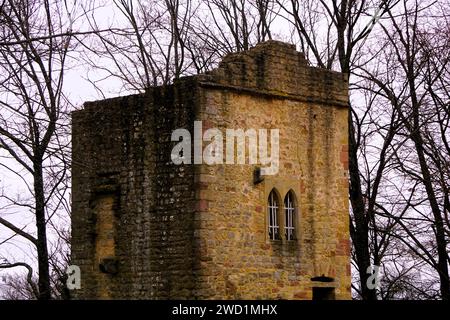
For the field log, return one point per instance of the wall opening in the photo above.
(105, 261)
(323, 293)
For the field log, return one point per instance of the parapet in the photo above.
(276, 68)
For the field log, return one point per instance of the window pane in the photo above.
(273, 206)
(289, 216)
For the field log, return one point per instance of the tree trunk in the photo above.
(438, 220)
(416, 136)
(360, 232)
(42, 251)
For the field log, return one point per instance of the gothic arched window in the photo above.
(273, 207)
(289, 215)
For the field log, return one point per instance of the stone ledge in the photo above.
(274, 94)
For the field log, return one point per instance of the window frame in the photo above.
(290, 216)
(281, 186)
(273, 212)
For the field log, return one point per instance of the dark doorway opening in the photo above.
(323, 293)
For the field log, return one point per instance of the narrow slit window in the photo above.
(289, 216)
(274, 228)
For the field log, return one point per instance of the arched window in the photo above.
(273, 207)
(289, 216)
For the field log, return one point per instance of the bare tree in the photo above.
(36, 40)
(20, 288)
(413, 80)
(16, 286)
(149, 48)
(398, 116)
(160, 41)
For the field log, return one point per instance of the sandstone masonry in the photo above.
(144, 228)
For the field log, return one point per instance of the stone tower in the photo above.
(144, 227)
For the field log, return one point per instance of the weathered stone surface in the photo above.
(199, 231)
